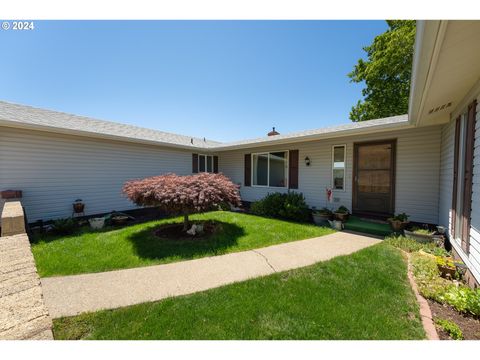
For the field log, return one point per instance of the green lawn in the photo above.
(365, 295)
(136, 245)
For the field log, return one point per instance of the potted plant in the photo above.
(321, 217)
(97, 223)
(78, 206)
(398, 222)
(441, 229)
(446, 266)
(421, 235)
(336, 224)
(341, 214)
(119, 219)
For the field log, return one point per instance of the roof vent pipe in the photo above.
(273, 132)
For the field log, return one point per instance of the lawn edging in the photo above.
(424, 309)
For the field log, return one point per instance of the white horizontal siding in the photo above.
(53, 170)
(417, 172)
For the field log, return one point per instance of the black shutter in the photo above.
(455, 173)
(468, 177)
(248, 170)
(194, 163)
(293, 169)
(215, 164)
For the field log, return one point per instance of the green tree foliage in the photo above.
(386, 73)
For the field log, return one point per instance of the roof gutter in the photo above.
(428, 41)
(327, 135)
(215, 148)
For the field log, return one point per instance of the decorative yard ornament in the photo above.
(329, 193)
(78, 207)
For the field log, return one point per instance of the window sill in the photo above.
(268, 187)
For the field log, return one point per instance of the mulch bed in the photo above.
(176, 232)
(469, 326)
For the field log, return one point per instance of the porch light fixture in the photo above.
(307, 161)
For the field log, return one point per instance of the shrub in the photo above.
(224, 206)
(288, 206)
(270, 205)
(342, 210)
(64, 226)
(463, 299)
(450, 328)
(445, 261)
(295, 207)
(421, 231)
(183, 194)
(400, 217)
(411, 245)
(437, 251)
(324, 211)
(425, 268)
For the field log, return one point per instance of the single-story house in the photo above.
(425, 163)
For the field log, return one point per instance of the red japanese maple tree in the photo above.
(183, 194)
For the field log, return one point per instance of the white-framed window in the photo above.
(205, 163)
(338, 167)
(270, 169)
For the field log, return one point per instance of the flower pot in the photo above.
(398, 225)
(119, 220)
(199, 228)
(336, 224)
(321, 219)
(97, 223)
(446, 271)
(441, 229)
(422, 238)
(341, 216)
(78, 207)
(11, 194)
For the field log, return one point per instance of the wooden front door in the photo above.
(374, 178)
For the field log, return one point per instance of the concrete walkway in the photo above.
(71, 295)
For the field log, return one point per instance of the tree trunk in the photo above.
(185, 222)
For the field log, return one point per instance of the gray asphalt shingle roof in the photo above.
(393, 120)
(28, 115)
(15, 114)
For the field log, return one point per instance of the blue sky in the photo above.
(225, 80)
